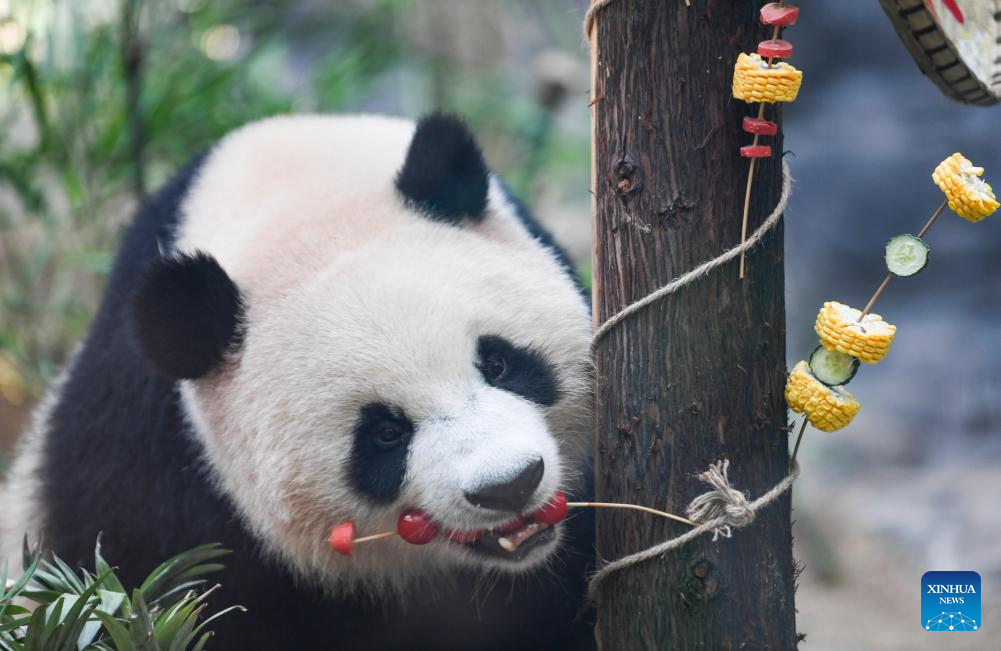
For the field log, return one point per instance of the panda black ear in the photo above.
(444, 174)
(186, 313)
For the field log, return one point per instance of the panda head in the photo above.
(395, 339)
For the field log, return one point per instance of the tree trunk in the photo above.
(698, 376)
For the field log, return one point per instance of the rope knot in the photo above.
(724, 504)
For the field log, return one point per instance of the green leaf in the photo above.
(110, 603)
(180, 569)
(202, 641)
(119, 634)
(102, 567)
(141, 623)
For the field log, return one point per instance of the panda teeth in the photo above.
(513, 540)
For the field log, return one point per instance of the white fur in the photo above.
(354, 298)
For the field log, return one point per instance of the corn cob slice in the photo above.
(969, 196)
(839, 329)
(756, 81)
(827, 408)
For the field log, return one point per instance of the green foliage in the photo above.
(76, 612)
(76, 151)
(102, 100)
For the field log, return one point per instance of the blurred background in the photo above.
(101, 99)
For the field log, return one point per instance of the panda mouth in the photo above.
(513, 541)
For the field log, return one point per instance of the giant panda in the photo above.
(321, 319)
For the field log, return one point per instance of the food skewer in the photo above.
(849, 336)
(890, 275)
(634, 507)
(778, 15)
(799, 439)
(417, 528)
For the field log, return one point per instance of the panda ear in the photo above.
(186, 313)
(444, 174)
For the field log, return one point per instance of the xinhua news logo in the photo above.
(950, 601)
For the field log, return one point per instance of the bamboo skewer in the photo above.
(799, 439)
(571, 505)
(889, 276)
(634, 507)
(750, 171)
(375, 536)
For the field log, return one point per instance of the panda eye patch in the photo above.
(383, 426)
(389, 434)
(522, 371)
(493, 368)
(378, 459)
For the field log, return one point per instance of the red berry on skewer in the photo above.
(779, 15)
(553, 511)
(512, 525)
(760, 127)
(775, 48)
(756, 151)
(416, 527)
(342, 538)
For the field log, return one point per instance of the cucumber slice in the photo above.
(906, 255)
(831, 367)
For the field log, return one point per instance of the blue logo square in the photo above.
(950, 601)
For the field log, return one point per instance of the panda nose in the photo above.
(511, 495)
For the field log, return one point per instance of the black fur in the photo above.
(526, 371)
(186, 314)
(444, 174)
(378, 464)
(119, 458)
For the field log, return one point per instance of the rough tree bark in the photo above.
(699, 376)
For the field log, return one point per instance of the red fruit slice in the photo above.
(553, 511)
(342, 538)
(464, 537)
(774, 13)
(760, 127)
(416, 527)
(756, 151)
(513, 525)
(775, 48)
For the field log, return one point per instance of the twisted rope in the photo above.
(719, 511)
(723, 508)
(723, 502)
(704, 268)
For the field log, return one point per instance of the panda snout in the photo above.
(511, 494)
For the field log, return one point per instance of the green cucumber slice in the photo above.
(831, 367)
(906, 255)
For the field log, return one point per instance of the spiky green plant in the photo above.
(51, 607)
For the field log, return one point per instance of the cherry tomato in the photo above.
(553, 511)
(342, 538)
(416, 527)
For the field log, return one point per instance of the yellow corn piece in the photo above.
(756, 81)
(969, 196)
(839, 329)
(827, 408)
